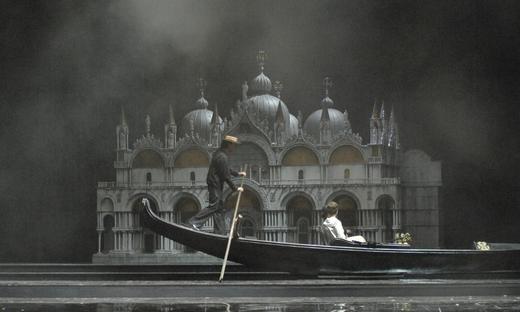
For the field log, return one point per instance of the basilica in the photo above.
(295, 165)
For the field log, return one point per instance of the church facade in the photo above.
(294, 165)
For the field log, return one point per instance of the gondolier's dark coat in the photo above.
(219, 173)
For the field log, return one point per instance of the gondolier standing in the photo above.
(219, 173)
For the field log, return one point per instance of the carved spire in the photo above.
(123, 117)
(170, 130)
(279, 126)
(148, 125)
(279, 113)
(392, 118)
(383, 136)
(375, 125)
(392, 126)
(215, 117)
(245, 87)
(216, 128)
(122, 132)
(300, 119)
(278, 87)
(375, 114)
(172, 117)
(348, 127)
(325, 114)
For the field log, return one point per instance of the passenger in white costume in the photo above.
(333, 224)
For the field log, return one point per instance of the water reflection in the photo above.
(474, 304)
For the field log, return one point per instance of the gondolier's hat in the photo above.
(231, 139)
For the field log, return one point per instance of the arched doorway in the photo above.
(386, 205)
(247, 228)
(299, 210)
(251, 211)
(149, 242)
(347, 211)
(185, 208)
(107, 237)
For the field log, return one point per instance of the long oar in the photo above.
(231, 231)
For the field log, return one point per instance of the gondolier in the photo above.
(219, 173)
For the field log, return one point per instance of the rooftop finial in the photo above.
(327, 83)
(261, 57)
(123, 117)
(327, 101)
(202, 102)
(201, 84)
(278, 87)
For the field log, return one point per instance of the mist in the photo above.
(449, 69)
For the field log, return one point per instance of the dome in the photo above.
(261, 84)
(312, 124)
(201, 123)
(293, 125)
(265, 106)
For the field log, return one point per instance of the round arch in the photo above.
(348, 207)
(106, 205)
(347, 142)
(147, 158)
(291, 195)
(181, 195)
(192, 157)
(249, 207)
(147, 239)
(345, 154)
(300, 211)
(254, 187)
(185, 207)
(261, 143)
(252, 154)
(154, 201)
(107, 236)
(386, 205)
(299, 155)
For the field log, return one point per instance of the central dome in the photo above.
(265, 106)
(312, 124)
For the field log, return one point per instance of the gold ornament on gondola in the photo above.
(403, 238)
(482, 246)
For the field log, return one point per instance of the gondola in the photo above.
(339, 257)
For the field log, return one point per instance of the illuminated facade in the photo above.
(295, 166)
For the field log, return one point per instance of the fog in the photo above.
(450, 70)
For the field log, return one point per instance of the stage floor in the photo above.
(86, 287)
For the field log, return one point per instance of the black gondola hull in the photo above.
(316, 259)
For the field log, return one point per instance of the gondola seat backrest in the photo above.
(326, 235)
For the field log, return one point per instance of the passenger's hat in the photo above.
(231, 139)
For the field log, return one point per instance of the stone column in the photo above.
(99, 241)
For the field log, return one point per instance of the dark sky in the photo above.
(450, 68)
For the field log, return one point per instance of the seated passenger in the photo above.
(335, 227)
